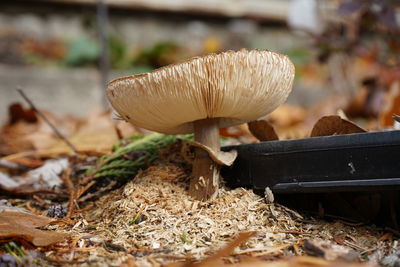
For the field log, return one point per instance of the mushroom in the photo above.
(200, 96)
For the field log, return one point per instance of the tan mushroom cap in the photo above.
(233, 87)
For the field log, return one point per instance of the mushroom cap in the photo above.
(231, 87)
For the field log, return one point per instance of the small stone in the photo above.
(57, 211)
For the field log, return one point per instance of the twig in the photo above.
(344, 220)
(87, 179)
(19, 155)
(27, 162)
(71, 205)
(290, 232)
(25, 192)
(97, 193)
(356, 224)
(82, 189)
(11, 165)
(38, 199)
(263, 251)
(64, 262)
(32, 209)
(66, 178)
(118, 132)
(38, 112)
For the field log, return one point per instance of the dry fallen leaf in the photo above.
(24, 226)
(25, 132)
(12, 137)
(334, 125)
(262, 130)
(44, 137)
(96, 136)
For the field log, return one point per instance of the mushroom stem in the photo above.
(205, 175)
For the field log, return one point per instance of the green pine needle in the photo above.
(123, 164)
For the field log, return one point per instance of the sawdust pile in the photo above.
(154, 213)
(166, 217)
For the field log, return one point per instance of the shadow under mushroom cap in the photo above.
(234, 87)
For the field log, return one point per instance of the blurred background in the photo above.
(62, 52)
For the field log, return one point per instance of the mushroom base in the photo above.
(205, 174)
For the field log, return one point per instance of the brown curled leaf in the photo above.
(262, 130)
(24, 226)
(334, 125)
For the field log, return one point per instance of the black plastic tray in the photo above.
(353, 162)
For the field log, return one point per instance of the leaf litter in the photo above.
(155, 221)
(22, 225)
